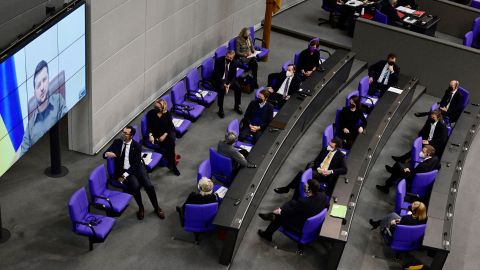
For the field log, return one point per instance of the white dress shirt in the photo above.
(126, 163)
(384, 75)
(283, 90)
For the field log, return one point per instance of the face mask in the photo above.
(450, 89)
(289, 73)
(312, 49)
(246, 35)
(329, 148)
(421, 154)
(431, 121)
(228, 60)
(352, 105)
(391, 63)
(156, 110)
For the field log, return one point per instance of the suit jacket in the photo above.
(219, 70)
(307, 61)
(425, 166)
(440, 136)
(376, 69)
(280, 78)
(296, 212)
(230, 151)
(251, 112)
(337, 164)
(455, 109)
(135, 158)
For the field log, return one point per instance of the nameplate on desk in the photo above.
(395, 90)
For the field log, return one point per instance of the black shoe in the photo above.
(267, 217)
(264, 235)
(397, 159)
(389, 169)
(175, 171)
(420, 114)
(140, 213)
(282, 190)
(374, 223)
(383, 189)
(221, 114)
(239, 110)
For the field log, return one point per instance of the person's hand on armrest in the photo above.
(110, 155)
(370, 80)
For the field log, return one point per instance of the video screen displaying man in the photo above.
(49, 107)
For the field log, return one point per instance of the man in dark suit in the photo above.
(224, 79)
(293, 214)
(399, 171)
(257, 117)
(282, 85)
(433, 133)
(383, 74)
(130, 170)
(326, 168)
(407, 3)
(389, 9)
(451, 104)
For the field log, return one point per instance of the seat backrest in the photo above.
(221, 167)
(97, 182)
(465, 95)
(136, 137)
(168, 100)
(312, 226)
(347, 100)
(143, 126)
(234, 127)
(400, 195)
(178, 93)
(414, 153)
(111, 167)
(475, 4)
(326, 6)
(78, 206)
(220, 51)
(407, 237)
(207, 69)
(327, 135)
(476, 32)
(380, 17)
(468, 39)
(199, 217)
(192, 80)
(363, 86)
(422, 183)
(231, 44)
(296, 58)
(307, 175)
(337, 122)
(285, 65)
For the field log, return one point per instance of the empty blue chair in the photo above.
(310, 231)
(204, 97)
(231, 44)
(380, 17)
(468, 39)
(181, 125)
(296, 58)
(407, 237)
(422, 183)
(234, 127)
(198, 218)
(476, 32)
(401, 206)
(414, 153)
(182, 107)
(95, 227)
(207, 74)
(263, 51)
(217, 167)
(155, 157)
(113, 202)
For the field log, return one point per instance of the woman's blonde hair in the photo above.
(419, 210)
(243, 31)
(205, 185)
(163, 105)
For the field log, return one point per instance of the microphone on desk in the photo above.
(273, 129)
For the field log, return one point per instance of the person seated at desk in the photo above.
(346, 13)
(244, 51)
(238, 156)
(130, 170)
(205, 195)
(383, 74)
(326, 168)
(293, 214)
(412, 4)
(429, 162)
(389, 9)
(433, 133)
(450, 104)
(309, 60)
(282, 85)
(349, 119)
(417, 215)
(161, 132)
(257, 117)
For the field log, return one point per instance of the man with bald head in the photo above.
(451, 104)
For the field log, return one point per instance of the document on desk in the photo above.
(410, 20)
(254, 54)
(274, 113)
(395, 90)
(221, 192)
(248, 148)
(177, 122)
(147, 157)
(406, 10)
(338, 210)
(354, 3)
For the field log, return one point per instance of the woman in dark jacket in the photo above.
(350, 117)
(416, 216)
(161, 132)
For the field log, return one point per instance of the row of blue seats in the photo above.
(470, 38)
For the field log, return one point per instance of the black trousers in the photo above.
(399, 173)
(167, 149)
(348, 138)
(245, 133)
(278, 222)
(235, 86)
(276, 100)
(295, 183)
(252, 67)
(374, 86)
(135, 182)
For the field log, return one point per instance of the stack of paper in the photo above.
(221, 192)
(406, 10)
(254, 54)
(177, 122)
(246, 147)
(201, 93)
(338, 210)
(148, 157)
(395, 90)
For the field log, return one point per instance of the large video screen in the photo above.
(40, 81)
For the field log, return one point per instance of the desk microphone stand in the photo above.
(56, 170)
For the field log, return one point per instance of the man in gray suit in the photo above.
(238, 157)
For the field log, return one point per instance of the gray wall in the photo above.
(433, 61)
(455, 19)
(137, 50)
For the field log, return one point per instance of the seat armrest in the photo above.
(106, 199)
(89, 225)
(411, 197)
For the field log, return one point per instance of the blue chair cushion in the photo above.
(183, 127)
(101, 230)
(206, 100)
(194, 113)
(156, 157)
(118, 199)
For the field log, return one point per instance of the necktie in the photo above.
(326, 162)
(226, 71)
(122, 156)
(287, 84)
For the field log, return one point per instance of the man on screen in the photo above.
(49, 108)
